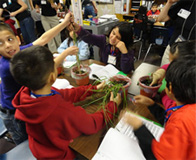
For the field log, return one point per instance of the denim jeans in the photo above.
(89, 10)
(28, 30)
(15, 127)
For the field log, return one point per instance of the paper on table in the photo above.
(61, 84)
(128, 130)
(103, 72)
(121, 143)
(116, 146)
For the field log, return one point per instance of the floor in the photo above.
(154, 57)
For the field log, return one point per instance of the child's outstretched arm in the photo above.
(73, 50)
(47, 36)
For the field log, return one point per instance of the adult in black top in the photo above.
(49, 19)
(182, 13)
(89, 8)
(18, 9)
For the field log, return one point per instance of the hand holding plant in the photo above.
(101, 85)
(158, 76)
(116, 99)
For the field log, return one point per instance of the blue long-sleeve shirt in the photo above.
(84, 52)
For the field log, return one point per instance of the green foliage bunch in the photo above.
(112, 86)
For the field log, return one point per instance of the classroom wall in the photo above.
(105, 9)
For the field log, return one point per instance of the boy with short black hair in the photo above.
(52, 121)
(9, 46)
(179, 137)
(153, 12)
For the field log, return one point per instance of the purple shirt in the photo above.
(9, 87)
(124, 62)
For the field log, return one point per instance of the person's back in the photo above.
(52, 121)
(140, 21)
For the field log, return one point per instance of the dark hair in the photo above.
(154, 4)
(69, 38)
(142, 9)
(181, 74)
(183, 48)
(32, 66)
(6, 15)
(126, 33)
(6, 27)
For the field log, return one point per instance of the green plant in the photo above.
(104, 96)
(77, 56)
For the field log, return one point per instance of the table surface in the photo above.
(87, 145)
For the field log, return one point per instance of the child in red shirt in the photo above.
(154, 12)
(52, 121)
(178, 140)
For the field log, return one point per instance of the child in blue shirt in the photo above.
(9, 46)
(84, 52)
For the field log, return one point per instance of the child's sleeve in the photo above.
(88, 124)
(78, 93)
(165, 66)
(158, 112)
(127, 62)
(145, 139)
(84, 52)
(63, 46)
(97, 40)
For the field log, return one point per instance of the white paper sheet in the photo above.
(121, 143)
(61, 84)
(117, 146)
(103, 72)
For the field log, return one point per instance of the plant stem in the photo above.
(77, 56)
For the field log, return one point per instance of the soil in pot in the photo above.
(82, 77)
(146, 89)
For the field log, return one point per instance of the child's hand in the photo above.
(121, 46)
(132, 121)
(142, 100)
(158, 76)
(172, 1)
(69, 18)
(76, 27)
(101, 85)
(116, 99)
(73, 50)
(73, 27)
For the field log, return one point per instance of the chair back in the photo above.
(20, 152)
(160, 36)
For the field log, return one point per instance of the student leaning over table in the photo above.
(115, 48)
(52, 121)
(9, 46)
(177, 49)
(178, 141)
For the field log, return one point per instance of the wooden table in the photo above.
(87, 145)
